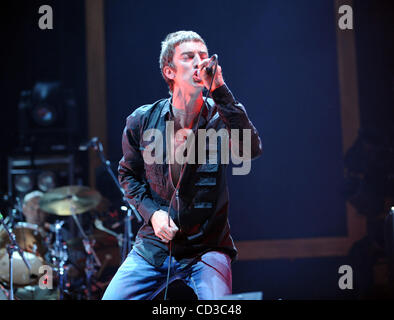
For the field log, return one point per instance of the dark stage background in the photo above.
(280, 59)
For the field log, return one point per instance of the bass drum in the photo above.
(30, 238)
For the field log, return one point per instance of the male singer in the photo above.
(190, 241)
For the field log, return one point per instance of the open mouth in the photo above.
(196, 78)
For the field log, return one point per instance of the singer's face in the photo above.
(187, 57)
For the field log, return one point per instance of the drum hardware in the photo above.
(14, 207)
(120, 238)
(100, 226)
(29, 239)
(87, 242)
(18, 209)
(60, 257)
(37, 247)
(107, 259)
(91, 261)
(90, 267)
(11, 248)
(70, 201)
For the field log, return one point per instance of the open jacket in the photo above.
(203, 195)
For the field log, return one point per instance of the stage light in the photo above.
(23, 183)
(123, 208)
(44, 114)
(48, 118)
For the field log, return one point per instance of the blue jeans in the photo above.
(136, 279)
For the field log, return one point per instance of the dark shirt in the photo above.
(203, 195)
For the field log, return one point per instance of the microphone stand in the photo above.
(91, 258)
(128, 234)
(126, 243)
(11, 248)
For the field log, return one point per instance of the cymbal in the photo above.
(65, 201)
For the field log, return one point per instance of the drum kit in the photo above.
(33, 256)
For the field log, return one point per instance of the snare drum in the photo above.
(30, 238)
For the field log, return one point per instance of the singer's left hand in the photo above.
(207, 78)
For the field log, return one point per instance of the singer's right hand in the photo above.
(160, 226)
(206, 77)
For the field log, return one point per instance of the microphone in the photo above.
(91, 143)
(212, 62)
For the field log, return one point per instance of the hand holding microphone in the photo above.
(207, 71)
(211, 64)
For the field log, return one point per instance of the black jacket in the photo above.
(203, 194)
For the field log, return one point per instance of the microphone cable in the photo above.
(176, 191)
